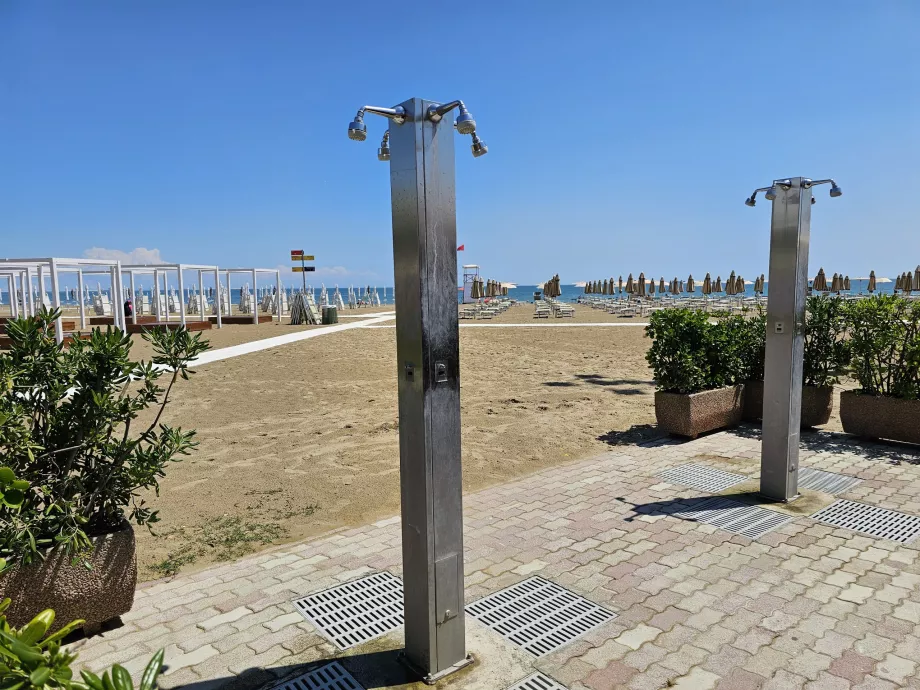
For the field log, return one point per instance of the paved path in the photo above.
(277, 341)
(805, 606)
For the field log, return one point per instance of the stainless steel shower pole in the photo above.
(420, 148)
(782, 398)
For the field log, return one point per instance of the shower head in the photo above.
(383, 153)
(357, 130)
(478, 147)
(835, 190)
(465, 123)
(770, 194)
(751, 200)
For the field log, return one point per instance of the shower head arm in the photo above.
(813, 183)
(436, 112)
(397, 114)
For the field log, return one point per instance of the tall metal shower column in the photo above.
(782, 397)
(420, 148)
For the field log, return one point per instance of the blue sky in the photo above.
(623, 136)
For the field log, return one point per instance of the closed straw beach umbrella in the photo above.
(718, 285)
(620, 285)
(630, 284)
(917, 278)
(613, 286)
(651, 286)
(691, 286)
(872, 286)
(820, 281)
(605, 288)
(740, 285)
(661, 287)
(640, 290)
(846, 283)
(707, 285)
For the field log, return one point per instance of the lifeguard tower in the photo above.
(470, 274)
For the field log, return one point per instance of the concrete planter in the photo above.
(879, 416)
(696, 413)
(817, 403)
(97, 595)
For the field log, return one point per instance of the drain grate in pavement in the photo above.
(357, 611)
(748, 521)
(701, 477)
(828, 482)
(662, 441)
(538, 615)
(330, 676)
(537, 681)
(871, 520)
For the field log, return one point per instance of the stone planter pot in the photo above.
(879, 416)
(817, 403)
(97, 595)
(696, 413)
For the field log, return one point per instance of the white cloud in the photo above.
(140, 255)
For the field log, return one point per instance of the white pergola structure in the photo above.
(28, 269)
(157, 270)
(253, 272)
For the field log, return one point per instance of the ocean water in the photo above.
(522, 293)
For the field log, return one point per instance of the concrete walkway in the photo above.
(807, 605)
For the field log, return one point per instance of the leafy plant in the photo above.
(884, 343)
(689, 354)
(66, 420)
(27, 661)
(827, 351)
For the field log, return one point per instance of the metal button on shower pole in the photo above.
(782, 396)
(419, 146)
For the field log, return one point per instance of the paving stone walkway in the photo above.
(806, 605)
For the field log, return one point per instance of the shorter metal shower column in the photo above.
(782, 397)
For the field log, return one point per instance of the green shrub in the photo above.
(689, 354)
(27, 661)
(884, 344)
(66, 430)
(827, 351)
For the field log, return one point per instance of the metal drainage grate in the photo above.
(871, 520)
(538, 615)
(537, 681)
(357, 611)
(701, 477)
(748, 521)
(828, 482)
(331, 676)
(662, 441)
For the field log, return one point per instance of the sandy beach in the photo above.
(301, 439)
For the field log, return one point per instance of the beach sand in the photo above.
(302, 439)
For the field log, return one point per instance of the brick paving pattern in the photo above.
(805, 606)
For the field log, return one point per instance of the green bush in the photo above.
(884, 344)
(827, 351)
(66, 432)
(29, 662)
(689, 354)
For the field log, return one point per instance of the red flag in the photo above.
(460, 248)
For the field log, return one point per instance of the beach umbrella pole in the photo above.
(782, 398)
(420, 149)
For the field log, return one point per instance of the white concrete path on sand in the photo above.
(267, 343)
(527, 325)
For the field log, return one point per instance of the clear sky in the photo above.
(623, 136)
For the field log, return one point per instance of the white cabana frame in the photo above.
(28, 268)
(253, 272)
(165, 269)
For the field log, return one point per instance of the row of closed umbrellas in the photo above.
(489, 288)
(735, 285)
(907, 282)
(552, 287)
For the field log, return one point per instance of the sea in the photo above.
(522, 293)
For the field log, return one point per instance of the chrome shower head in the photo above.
(383, 153)
(835, 190)
(465, 123)
(357, 130)
(479, 147)
(770, 194)
(751, 201)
